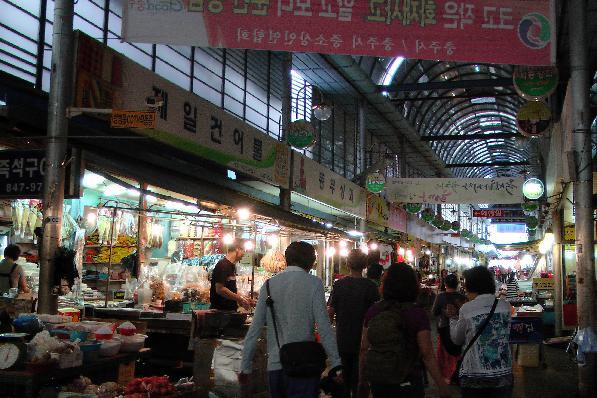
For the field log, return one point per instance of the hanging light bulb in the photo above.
(342, 244)
(331, 252)
(322, 111)
(248, 245)
(272, 240)
(344, 252)
(373, 246)
(228, 239)
(364, 248)
(243, 213)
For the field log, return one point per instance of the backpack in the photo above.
(392, 354)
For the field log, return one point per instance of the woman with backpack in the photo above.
(447, 352)
(396, 341)
(482, 326)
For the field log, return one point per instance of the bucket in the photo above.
(74, 313)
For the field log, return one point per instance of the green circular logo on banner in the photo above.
(301, 134)
(376, 183)
(427, 215)
(533, 119)
(533, 188)
(535, 82)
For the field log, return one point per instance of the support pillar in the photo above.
(583, 186)
(285, 194)
(53, 202)
(557, 269)
(362, 140)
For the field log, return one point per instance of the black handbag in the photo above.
(304, 359)
(455, 376)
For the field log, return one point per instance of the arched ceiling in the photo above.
(464, 103)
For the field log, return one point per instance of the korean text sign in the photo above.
(106, 79)
(518, 32)
(455, 190)
(22, 174)
(320, 183)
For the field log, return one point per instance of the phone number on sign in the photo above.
(18, 187)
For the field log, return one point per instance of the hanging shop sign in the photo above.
(106, 79)
(378, 211)
(316, 181)
(489, 213)
(398, 218)
(543, 283)
(569, 232)
(535, 82)
(519, 32)
(533, 119)
(132, 119)
(533, 188)
(22, 174)
(455, 190)
(526, 330)
(301, 134)
(376, 182)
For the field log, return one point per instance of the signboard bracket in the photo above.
(74, 111)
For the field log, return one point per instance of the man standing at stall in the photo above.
(223, 294)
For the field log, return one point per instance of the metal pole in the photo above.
(113, 221)
(142, 229)
(583, 186)
(557, 269)
(285, 194)
(362, 138)
(62, 53)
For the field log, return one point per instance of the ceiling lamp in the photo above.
(322, 111)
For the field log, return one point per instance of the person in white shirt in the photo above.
(300, 306)
(486, 369)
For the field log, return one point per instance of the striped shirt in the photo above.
(512, 290)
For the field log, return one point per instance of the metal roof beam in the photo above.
(487, 164)
(448, 85)
(465, 137)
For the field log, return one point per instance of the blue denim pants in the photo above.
(282, 386)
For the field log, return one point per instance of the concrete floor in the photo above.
(556, 378)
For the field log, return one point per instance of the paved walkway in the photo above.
(557, 378)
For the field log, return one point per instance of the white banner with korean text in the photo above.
(505, 190)
(185, 121)
(322, 184)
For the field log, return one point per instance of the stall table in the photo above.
(26, 383)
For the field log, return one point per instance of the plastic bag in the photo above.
(226, 366)
(586, 340)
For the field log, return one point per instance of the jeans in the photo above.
(414, 390)
(350, 363)
(500, 392)
(282, 386)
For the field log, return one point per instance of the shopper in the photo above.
(350, 299)
(223, 294)
(447, 352)
(442, 280)
(299, 302)
(374, 272)
(396, 339)
(11, 273)
(486, 370)
(512, 287)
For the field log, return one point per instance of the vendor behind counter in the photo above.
(223, 292)
(12, 274)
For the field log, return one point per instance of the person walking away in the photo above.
(12, 274)
(512, 287)
(374, 272)
(447, 352)
(442, 280)
(223, 293)
(350, 299)
(396, 337)
(482, 326)
(299, 305)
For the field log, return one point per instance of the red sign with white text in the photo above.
(520, 32)
(488, 213)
